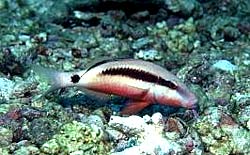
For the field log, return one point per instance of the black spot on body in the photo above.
(140, 75)
(75, 78)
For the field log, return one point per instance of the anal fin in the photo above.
(134, 107)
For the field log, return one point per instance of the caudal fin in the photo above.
(54, 78)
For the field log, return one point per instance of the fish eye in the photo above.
(75, 78)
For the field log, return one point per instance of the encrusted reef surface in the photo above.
(205, 43)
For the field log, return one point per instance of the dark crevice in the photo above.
(70, 22)
(129, 7)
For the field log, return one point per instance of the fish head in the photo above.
(187, 98)
(176, 94)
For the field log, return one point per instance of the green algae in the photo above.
(4, 151)
(244, 117)
(4, 108)
(5, 136)
(240, 138)
(184, 6)
(27, 150)
(76, 137)
(180, 38)
(219, 138)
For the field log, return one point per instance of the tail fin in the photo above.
(55, 78)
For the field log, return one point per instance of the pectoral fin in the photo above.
(134, 107)
(96, 95)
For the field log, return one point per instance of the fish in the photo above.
(142, 82)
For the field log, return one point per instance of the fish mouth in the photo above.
(191, 102)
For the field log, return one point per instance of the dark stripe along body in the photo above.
(139, 75)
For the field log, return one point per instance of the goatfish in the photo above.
(143, 82)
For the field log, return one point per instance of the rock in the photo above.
(6, 88)
(131, 124)
(141, 42)
(4, 151)
(76, 137)
(3, 4)
(157, 118)
(5, 136)
(27, 150)
(224, 65)
(221, 134)
(184, 6)
(150, 54)
(244, 117)
(137, 135)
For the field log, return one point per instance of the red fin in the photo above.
(133, 107)
(137, 94)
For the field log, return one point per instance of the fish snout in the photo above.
(191, 102)
(188, 98)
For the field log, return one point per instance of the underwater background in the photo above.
(206, 43)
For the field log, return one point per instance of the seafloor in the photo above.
(206, 43)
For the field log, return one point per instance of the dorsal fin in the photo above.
(103, 61)
(100, 62)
